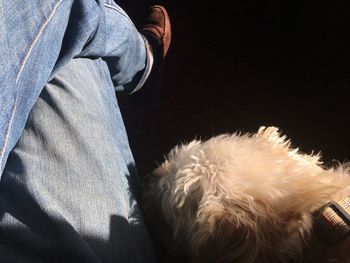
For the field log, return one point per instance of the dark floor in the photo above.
(240, 64)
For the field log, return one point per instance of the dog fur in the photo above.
(240, 198)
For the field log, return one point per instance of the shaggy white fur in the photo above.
(242, 198)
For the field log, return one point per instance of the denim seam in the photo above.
(42, 28)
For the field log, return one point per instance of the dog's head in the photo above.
(240, 198)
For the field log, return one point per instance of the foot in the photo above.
(157, 30)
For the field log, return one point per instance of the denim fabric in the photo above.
(68, 191)
(37, 38)
(68, 185)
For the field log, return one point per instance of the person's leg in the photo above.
(37, 38)
(68, 191)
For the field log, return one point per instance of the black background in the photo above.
(240, 64)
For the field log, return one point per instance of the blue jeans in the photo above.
(37, 38)
(69, 189)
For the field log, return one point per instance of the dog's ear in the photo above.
(241, 236)
(231, 238)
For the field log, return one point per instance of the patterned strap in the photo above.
(332, 222)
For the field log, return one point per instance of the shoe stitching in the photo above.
(165, 16)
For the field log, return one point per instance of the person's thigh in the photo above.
(68, 191)
(38, 38)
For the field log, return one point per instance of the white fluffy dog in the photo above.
(248, 198)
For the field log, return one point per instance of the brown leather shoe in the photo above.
(157, 30)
